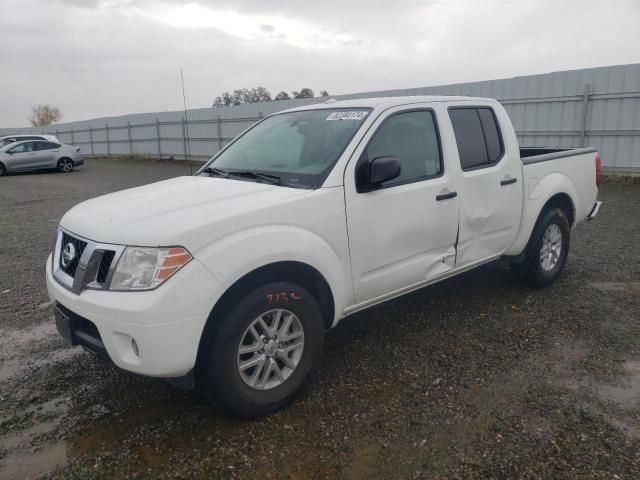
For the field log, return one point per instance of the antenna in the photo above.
(186, 118)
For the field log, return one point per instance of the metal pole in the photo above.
(219, 127)
(106, 130)
(129, 136)
(184, 137)
(585, 115)
(158, 138)
(72, 139)
(91, 140)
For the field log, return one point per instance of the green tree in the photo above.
(282, 96)
(243, 95)
(324, 93)
(304, 93)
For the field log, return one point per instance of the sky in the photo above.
(96, 58)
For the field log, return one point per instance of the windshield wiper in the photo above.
(274, 179)
(215, 171)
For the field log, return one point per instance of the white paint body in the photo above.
(369, 247)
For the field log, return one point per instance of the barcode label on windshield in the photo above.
(357, 115)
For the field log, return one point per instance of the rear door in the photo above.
(47, 154)
(22, 156)
(404, 232)
(490, 187)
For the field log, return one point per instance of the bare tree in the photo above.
(43, 115)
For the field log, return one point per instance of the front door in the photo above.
(22, 157)
(404, 232)
(491, 185)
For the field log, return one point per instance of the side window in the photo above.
(46, 145)
(492, 136)
(477, 136)
(22, 148)
(412, 137)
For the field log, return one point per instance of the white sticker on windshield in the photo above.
(357, 115)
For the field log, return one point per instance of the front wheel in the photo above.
(65, 165)
(547, 250)
(265, 351)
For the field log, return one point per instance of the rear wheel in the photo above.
(547, 250)
(2, 170)
(265, 351)
(65, 165)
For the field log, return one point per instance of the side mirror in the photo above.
(372, 173)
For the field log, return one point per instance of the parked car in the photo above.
(7, 139)
(38, 155)
(228, 279)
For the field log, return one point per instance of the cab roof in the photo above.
(386, 102)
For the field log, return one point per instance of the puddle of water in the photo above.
(26, 465)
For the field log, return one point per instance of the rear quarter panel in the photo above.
(572, 175)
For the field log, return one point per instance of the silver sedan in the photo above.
(37, 155)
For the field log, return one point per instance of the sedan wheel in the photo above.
(65, 165)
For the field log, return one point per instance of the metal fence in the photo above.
(599, 107)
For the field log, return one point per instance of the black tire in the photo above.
(2, 170)
(65, 165)
(219, 375)
(531, 271)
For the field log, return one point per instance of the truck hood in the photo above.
(172, 212)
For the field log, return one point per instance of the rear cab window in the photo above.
(478, 136)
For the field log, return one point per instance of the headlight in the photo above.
(144, 268)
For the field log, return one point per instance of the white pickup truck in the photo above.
(228, 279)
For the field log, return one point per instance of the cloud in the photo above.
(110, 57)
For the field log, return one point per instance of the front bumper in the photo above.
(166, 323)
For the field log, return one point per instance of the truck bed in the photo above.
(530, 155)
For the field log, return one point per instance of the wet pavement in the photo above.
(475, 377)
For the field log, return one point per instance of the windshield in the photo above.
(298, 147)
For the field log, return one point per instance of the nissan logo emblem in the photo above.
(68, 255)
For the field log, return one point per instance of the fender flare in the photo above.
(540, 192)
(273, 244)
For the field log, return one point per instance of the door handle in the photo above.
(508, 181)
(446, 196)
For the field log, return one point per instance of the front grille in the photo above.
(71, 265)
(95, 269)
(105, 265)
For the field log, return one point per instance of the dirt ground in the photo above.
(476, 377)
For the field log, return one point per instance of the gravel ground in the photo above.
(473, 377)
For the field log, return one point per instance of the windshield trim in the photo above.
(321, 177)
